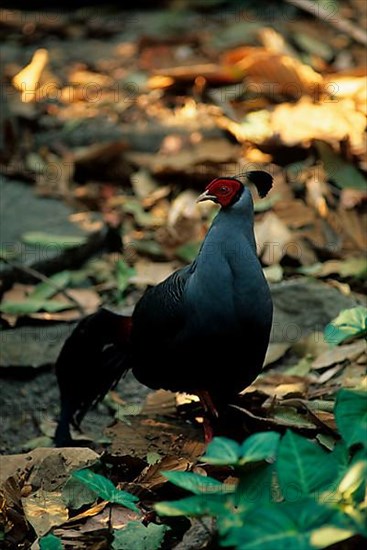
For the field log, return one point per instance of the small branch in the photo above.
(340, 23)
(41, 277)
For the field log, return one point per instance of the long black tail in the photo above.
(91, 362)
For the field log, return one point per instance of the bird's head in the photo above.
(227, 190)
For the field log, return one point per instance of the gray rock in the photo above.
(33, 346)
(21, 211)
(303, 306)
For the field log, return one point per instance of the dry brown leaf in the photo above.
(353, 87)
(354, 226)
(331, 122)
(273, 41)
(294, 213)
(325, 418)
(317, 190)
(213, 73)
(98, 151)
(101, 517)
(349, 198)
(160, 402)
(151, 477)
(151, 273)
(56, 177)
(205, 151)
(338, 354)
(276, 73)
(184, 223)
(28, 79)
(78, 77)
(90, 512)
(290, 390)
(329, 374)
(353, 376)
(311, 345)
(169, 436)
(45, 510)
(269, 383)
(273, 238)
(275, 351)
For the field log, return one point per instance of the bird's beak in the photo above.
(206, 197)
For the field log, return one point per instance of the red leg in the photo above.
(210, 411)
(207, 403)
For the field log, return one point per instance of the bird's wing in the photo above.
(91, 362)
(160, 311)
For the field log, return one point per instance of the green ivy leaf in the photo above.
(29, 306)
(50, 542)
(255, 486)
(105, 489)
(349, 324)
(259, 447)
(196, 483)
(45, 290)
(342, 172)
(222, 451)
(123, 275)
(136, 535)
(58, 241)
(287, 526)
(198, 505)
(303, 467)
(353, 479)
(351, 416)
(188, 252)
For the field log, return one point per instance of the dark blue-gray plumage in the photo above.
(206, 328)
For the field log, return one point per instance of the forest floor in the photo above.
(112, 123)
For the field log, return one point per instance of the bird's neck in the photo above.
(231, 234)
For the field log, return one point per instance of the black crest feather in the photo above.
(263, 181)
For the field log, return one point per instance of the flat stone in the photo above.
(33, 346)
(303, 306)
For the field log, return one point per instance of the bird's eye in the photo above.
(223, 189)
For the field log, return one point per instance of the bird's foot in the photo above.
(208, 403)
(208, 431)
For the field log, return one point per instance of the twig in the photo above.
(340, 23)
(41, 277)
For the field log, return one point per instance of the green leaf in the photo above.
(136, 535)
(50, 542)
(353, 479)
(143, 218)
(46, 290)
(349, 324)
(58, 241)
(222, 451)
(105, 489)
(153, 458)
(351, 416)
(188, 252)
(342, 172)
(196, 483)
(328, 535)
(283, 526)
(198, 505)
(148, 248)
(29, 306)
(123, 275)
(255, 486)
(267, 203)
(259, 446)
(303, 467)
